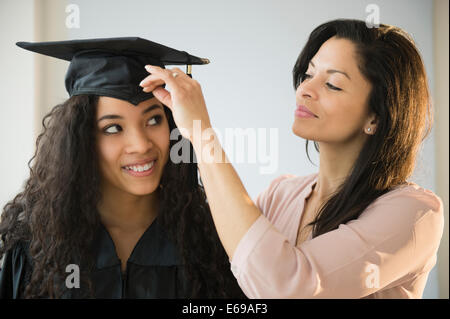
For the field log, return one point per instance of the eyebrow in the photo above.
(331, 71)
(114, 116)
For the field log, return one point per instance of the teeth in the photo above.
(140, 168)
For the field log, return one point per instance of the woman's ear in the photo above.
(371, 124)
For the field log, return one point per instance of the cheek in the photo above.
(341, 114)
(343, 119)
(165, 147)
(108, 154)
(338, 121)
(161, 139)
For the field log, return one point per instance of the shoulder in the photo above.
(409, 218)
(18, 249)
(411, 214)
(410, 200)
(289, 182)
(283, 190)
(17, 256)
(15, 270)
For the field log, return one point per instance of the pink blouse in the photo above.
(387, 252)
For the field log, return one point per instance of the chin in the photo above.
(142, 191)
(301, 132)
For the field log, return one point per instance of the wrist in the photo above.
(206, 144)
(199, 129)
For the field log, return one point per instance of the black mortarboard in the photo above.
(111, 67)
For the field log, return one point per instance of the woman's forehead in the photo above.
(110, 104)
(340, 54)
(337, 54)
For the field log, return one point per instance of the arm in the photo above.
(232, 209)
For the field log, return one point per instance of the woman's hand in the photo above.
(185, 98)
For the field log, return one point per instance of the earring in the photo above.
(369, 129)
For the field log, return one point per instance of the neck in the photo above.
(127, 212)
(336, 163)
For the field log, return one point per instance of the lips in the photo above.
(139, 163)
(305, 109)
(143, 169)
(140, 168)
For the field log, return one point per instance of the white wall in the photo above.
(16, 89)
(252, 46)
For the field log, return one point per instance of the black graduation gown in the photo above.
(154, 269)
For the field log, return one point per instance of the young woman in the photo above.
(105, 203)
(357, 228)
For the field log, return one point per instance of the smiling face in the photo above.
(132, 143)
(336, 93)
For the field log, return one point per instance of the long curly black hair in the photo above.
(56, 213)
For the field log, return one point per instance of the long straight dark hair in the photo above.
(389, 60)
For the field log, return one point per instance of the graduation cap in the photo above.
(114, 67)
(111, 67)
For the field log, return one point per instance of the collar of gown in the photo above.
(154, 248)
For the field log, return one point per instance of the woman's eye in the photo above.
(330, 86)
(112, 129)
(333, 87)
(155, 120)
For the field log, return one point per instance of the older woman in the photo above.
(357, 228)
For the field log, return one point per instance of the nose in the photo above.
(138, 141)
(307, 90)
